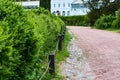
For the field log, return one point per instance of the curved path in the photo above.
(102, 50)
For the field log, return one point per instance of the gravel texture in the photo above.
(76, 66)
(102, 50)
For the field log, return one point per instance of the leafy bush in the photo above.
(14, 47)
(47, 25)
(116, 23)
(104, 22)
(26, 37)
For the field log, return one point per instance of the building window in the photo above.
(68, 4)
(58, 13)
(74, 9)
(68, 13)
(58, 5)
(53, 12)
(54, 5)
(63, 13)
(63, 4)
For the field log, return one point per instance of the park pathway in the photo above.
(102, 51)
(76, 66)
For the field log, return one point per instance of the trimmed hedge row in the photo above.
(80, 20)
(26, 37)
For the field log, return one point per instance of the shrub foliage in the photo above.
(104, 22)
(26, 37)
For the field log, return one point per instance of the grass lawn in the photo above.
(114, 30)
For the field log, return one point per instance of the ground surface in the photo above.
(102, 50)
(76, 66)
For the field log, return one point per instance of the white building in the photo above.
(59, 7)
(78, 8)
(28, 4)
(68, 7)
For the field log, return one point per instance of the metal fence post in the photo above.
(63, 35)
(60, 42)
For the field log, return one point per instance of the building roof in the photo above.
(77, 2)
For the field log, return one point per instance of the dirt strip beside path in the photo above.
(102, 50)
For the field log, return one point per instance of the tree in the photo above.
(45, 4)
(100, 7)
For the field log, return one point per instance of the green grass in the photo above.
(60, 56)
(114, 30)
(63, 54)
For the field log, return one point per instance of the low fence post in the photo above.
(64, 32)
(64, 28)
(52, 63)
(63, 35)
(60, 42)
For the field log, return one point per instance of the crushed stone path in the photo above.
(76, 66)
(102, 51)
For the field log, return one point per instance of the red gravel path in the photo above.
(103, 49)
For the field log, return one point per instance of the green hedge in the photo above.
(75, 20)
(26, 37)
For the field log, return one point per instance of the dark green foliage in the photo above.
(46, 25)
(100, 7)
(104, 22)
(116, 23)
(93, 15)
(75, 20)
(26, 37)
(45, 4)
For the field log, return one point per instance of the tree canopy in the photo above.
(100, 7)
